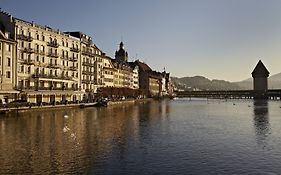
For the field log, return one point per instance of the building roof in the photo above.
(143, 66)
(260, 70)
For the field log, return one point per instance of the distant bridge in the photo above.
(244, 94)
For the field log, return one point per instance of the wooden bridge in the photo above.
(242, 94)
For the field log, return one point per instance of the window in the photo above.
(28, 70)
(8, 74)
(37, 36)
(8, 62)
(37, 58)
(43, 37)
(0, 46)
(8, 47)
(43, 59)
(22, 55)
(22, 69)
(0, 61)
(42, 48)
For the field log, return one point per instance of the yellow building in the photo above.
(47, 61)
(109, 72)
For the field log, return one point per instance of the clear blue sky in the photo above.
(219, 39)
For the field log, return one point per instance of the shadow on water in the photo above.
(261, 122)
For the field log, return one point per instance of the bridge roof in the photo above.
(260, 70)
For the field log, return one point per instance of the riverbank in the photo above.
(64, 106)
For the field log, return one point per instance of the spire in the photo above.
(121, 45)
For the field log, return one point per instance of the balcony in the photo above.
(53, 54)
(65, 77)
(74, 59)
(28, 50)
(24, 37)
(53, 44)
(73, 49)
(87, 52)
(73, 68)
(88, 64)
(87, 72)
(28, 62)
(40, 75)
(55, 66)
(86, 81)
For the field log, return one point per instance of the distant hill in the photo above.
(203, 83)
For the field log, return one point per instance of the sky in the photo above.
(218, 39)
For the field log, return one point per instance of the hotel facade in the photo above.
(40, 64)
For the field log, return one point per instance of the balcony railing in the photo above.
(88, 64)
(28, 62)
(87, 72)
(53, 44)
(56, 66)
(74, 59)
(73, 49)
(40, 75)
(53, 54)
(73, 68)
(88, 53)
(86, 81)
(28, 50)
(24, 37)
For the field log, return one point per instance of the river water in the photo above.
(182, 136)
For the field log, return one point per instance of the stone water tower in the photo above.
(260, 75)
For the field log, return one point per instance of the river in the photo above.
(181, 136)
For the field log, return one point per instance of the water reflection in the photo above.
(73, 141)
(261, 122)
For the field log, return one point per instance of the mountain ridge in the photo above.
(202, 83)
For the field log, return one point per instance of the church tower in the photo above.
(121, 55)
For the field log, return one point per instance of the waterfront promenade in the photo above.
(4, 110)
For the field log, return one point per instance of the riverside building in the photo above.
(40, 64)
(7, 66)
